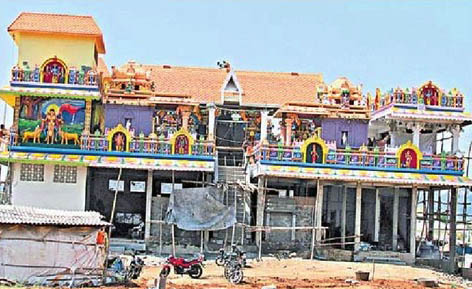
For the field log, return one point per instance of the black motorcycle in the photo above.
(135, 267)
(235, 254)
(233, 271)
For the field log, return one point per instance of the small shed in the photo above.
(51, 247)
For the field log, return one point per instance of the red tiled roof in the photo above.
(58, 23)
(259, 88)
(102, 67)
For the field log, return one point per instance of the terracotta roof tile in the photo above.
(58, 23)
(102, 67)
(259, 88)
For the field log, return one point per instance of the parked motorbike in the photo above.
(235, 253)
(233, 271)
(135, 267)
(130, 272)
(194, 267)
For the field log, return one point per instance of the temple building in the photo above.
(301, 160)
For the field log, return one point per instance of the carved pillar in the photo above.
(264, 115)
(88, 116)
(16, 113)
(211, 121)
(288, 125)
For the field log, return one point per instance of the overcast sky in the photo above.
(381, 44)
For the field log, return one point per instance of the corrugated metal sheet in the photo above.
(35, 216)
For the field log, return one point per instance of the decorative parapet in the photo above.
(427, 96)
(314, 153)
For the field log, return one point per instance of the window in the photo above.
(32, 173)
(65, 174)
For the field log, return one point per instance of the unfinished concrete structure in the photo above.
(304, 163)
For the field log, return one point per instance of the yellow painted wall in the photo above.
(37, 48)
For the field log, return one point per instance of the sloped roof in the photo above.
(102, 67)
(259, 88)
(58, 24)
(35, 216)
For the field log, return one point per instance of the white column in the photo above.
(264, 120)
(396, 199)
(147, 223)
(343, 217)
(357, 225)
(211, 121)
(416, 134)
(456, 132)
(319, 209)
(414, 197)
(377, 216)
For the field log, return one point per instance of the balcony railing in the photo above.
(147, 145)
(88, 77)
(356, 158)
(443, 101)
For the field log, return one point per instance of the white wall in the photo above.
(48, 194)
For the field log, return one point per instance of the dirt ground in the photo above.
(299, 274)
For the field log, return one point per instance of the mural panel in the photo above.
(51, 120)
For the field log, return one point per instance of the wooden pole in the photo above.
(147, 226)
(113, 208)
(173, 226)
(173, 240)
(201, 241)
(235, 214)
(244, 217)
(315, 221)
(160, 230)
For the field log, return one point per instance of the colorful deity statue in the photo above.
(91, 78)
(80, 79)
(36, 73)
(345, 98)
(27, 73)
(414, 96)
(16, 73)
(72, 75)
(119, 141)
(52, 122)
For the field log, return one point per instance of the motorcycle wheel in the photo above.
(219, 261)
(226, 272)
(236, 276)
(165, 272)
(196, 271)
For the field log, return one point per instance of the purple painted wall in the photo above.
(141, 116)
(357, 131)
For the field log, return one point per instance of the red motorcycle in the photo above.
(194, 267)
